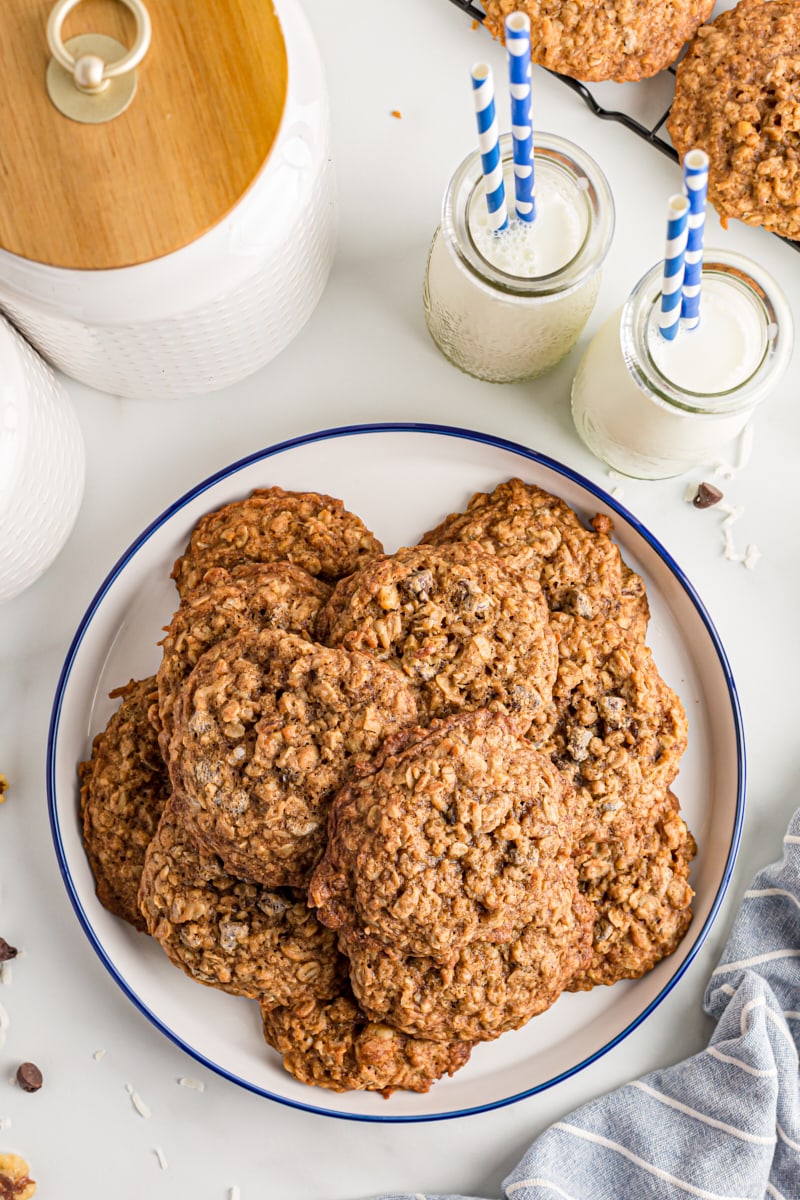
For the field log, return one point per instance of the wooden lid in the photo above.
(210, 96)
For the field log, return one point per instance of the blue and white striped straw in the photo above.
(518, 45)
(669, 317)
(489, 146)
(695, 185)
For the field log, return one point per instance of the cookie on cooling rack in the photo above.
(124, 786)
(313, 531)
(736, 97)
(231, 933)
(267, 727)
(622, 40)
(464, 835)
(252, 596)
(334, 1045)
(466, 629)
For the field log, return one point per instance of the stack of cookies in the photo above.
(401, 801)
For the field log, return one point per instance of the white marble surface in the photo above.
(364, 356)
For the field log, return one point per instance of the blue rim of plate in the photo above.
(349, 431)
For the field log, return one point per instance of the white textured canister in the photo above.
(215, 310)
(42, 464)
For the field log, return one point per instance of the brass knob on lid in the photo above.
(92, 78)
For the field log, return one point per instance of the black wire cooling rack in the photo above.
(654, 107)
(647, 103)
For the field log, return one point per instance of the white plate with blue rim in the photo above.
(401, 479)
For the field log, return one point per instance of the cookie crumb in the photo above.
(706, 495)
(15, 1180)
(29, 1077)
(196, 1084)
(137, 1101)
(3, 788)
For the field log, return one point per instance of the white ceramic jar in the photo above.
(653, 409)
(42, 464)
(220, 307)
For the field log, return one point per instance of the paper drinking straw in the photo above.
(518, 45)
(695, 184)
(669, 317)
(489, 145)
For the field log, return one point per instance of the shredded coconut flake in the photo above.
(744, 447)
(233, 1193)
(5, 1123)
(196, 1084)
(6, 974)
(99, 1055)
(728, 547)
(732, 514)
(690, 493)
(751, 556)
(162, 1158)
(137, 1101)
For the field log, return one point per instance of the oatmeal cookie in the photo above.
(466, 629)
(486, 989)
(336, 1046)
(460, 836)
(123, 789)
(230, 933)
(638, 882)
(736, 97)
(249, 597)
(312, 531)
(620, 734)
(267, 728)
(621, 40)
(580, 570)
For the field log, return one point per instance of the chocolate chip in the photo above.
(29, 1077)
(6, 951)
(706, 495)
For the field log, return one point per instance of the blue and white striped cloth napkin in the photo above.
(723, 1125)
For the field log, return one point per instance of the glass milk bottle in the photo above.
(510, 306)
(652, 408)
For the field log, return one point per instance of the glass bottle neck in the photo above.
(575, 208)
(735, 355)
